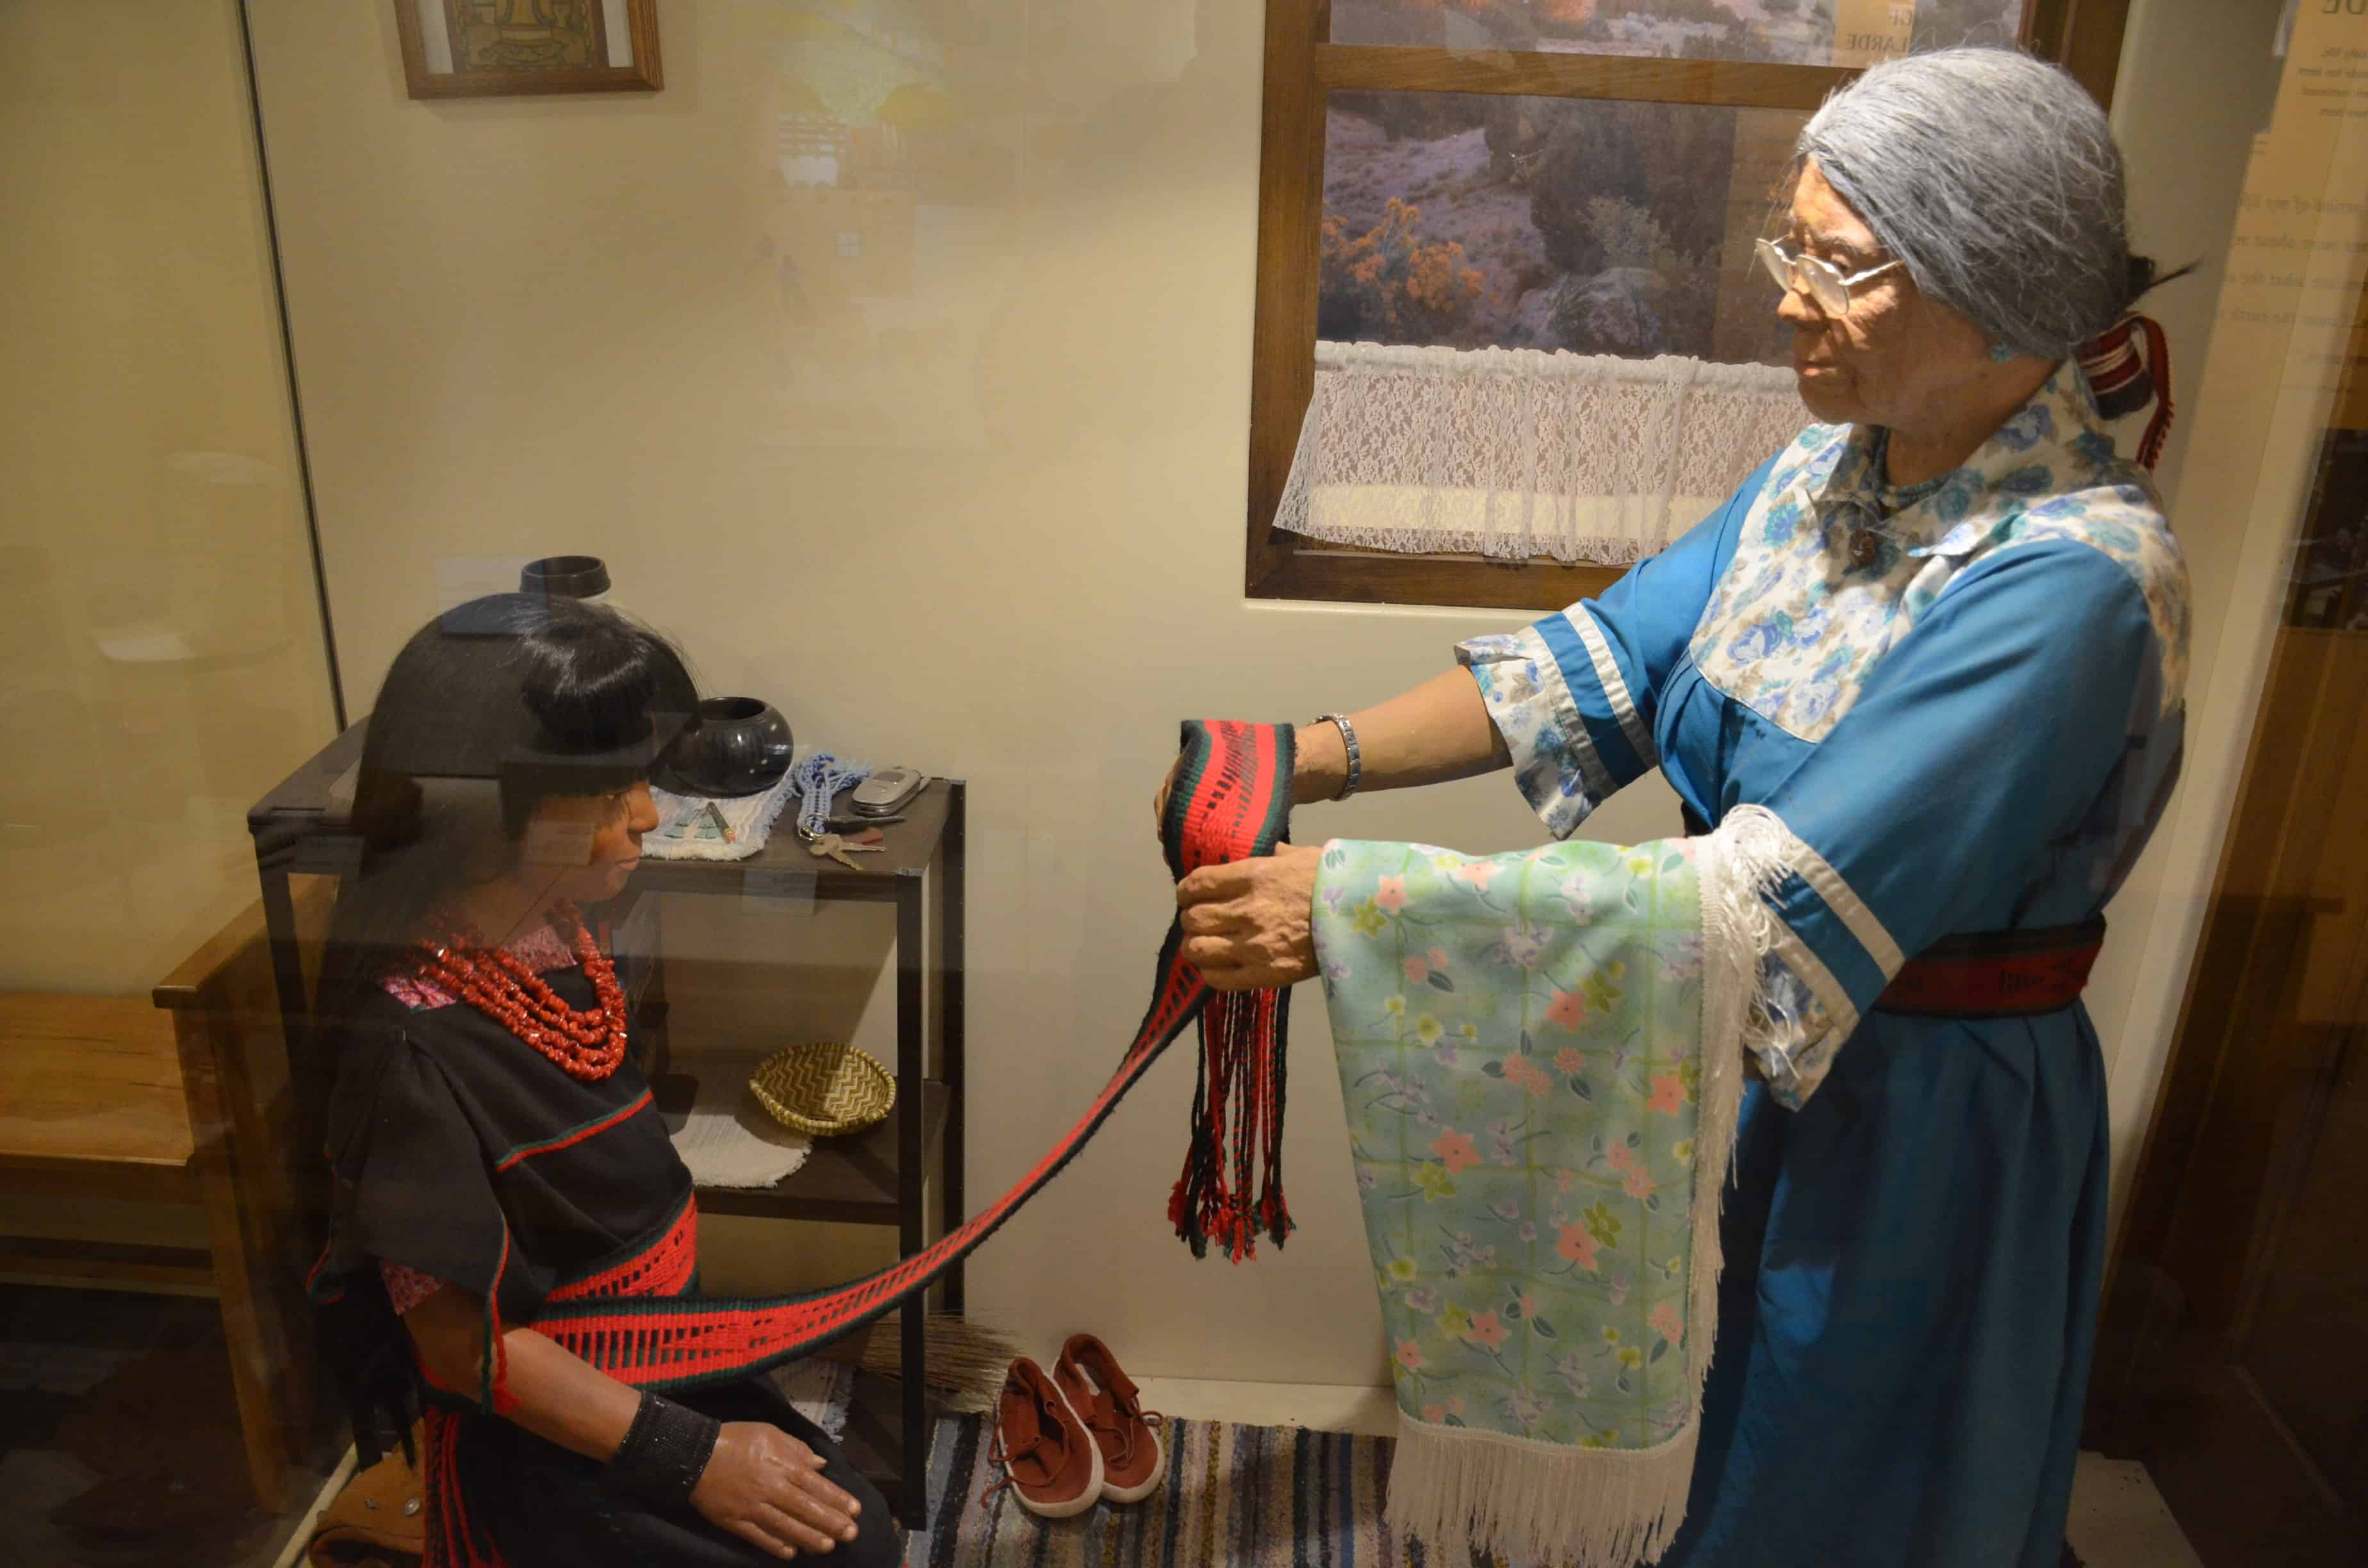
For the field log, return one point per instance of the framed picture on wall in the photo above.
(471, 49)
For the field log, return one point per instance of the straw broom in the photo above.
(963, 1360)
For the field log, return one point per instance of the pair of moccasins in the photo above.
(1068, 1439)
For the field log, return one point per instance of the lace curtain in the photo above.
(1516, 453)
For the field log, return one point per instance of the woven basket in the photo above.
(824, 1088)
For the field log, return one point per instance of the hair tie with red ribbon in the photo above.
(2124, 383)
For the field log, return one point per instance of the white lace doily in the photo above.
(1515, 453)
(728, 1141)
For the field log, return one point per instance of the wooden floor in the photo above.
(106, 1399)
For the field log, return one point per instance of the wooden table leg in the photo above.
(257, 1378)
(952, 979)
(912, 1166)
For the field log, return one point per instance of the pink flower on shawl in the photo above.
(1522, 1071)
(1417, 972)
(1391, 893)
(1478, 873)
(1434, 1414)
(1456, 1149)
(1570, 1061)
(1668, 1093)
(1487, 1331)
(1577, 1244)
(1639, 1184)
(1621, 1158)
(1568, 1008)
(1410, 1356)
(1666, 1323)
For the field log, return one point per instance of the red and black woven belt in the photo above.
(1996, 974)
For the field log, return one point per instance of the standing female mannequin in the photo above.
(1928, 660)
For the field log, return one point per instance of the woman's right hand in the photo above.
(768, 1488)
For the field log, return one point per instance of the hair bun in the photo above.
(2142, 276)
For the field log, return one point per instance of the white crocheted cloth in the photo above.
(1516, 453)
(728, 1141)
(686, 833)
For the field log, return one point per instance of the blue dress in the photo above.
(1962, 701)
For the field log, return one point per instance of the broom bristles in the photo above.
(963, 1359)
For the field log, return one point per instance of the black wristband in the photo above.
(664, 1452)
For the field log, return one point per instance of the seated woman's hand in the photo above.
(768, 1488)
(1248, 924)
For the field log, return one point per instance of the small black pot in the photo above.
(742, 746)
(565, 576)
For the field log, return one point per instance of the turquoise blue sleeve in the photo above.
(1576, 695)
(1978, 749)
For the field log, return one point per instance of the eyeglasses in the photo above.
(1823, 281)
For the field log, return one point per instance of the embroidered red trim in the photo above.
(572, 1137)
(2009, 986)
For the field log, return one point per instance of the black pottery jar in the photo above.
(740, 746)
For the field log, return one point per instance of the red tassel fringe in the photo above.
(1232, 1197)
(2157, 429)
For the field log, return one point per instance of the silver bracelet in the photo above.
(1356, 758)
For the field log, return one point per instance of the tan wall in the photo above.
(2197, 80)
(978, 511)
(989, 526)
(161, 657)
(2198, 84)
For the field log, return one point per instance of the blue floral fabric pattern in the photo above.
(1797, 623)
(1797, 1049)
(1555, 763)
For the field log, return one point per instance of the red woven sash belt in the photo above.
(1232, 800)
(1996, 974)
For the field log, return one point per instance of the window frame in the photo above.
(1302, 69)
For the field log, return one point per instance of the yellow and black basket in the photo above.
(824, 1088)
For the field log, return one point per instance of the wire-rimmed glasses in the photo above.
(1821, 279)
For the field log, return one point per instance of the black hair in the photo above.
(2145, 274)
(439, 800)
(488, 710)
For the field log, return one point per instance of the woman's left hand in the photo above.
(1248, 924)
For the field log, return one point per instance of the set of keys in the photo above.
(835, 846)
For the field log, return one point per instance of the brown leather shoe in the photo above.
(1132, 1460)
(1049, 1460)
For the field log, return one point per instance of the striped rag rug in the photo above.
(1236, 1498)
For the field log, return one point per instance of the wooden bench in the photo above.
(180, 1099)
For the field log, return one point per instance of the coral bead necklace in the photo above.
(585, 1043)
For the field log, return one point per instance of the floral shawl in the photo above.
(1540, 1115)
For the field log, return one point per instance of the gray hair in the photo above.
(1994, 177)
